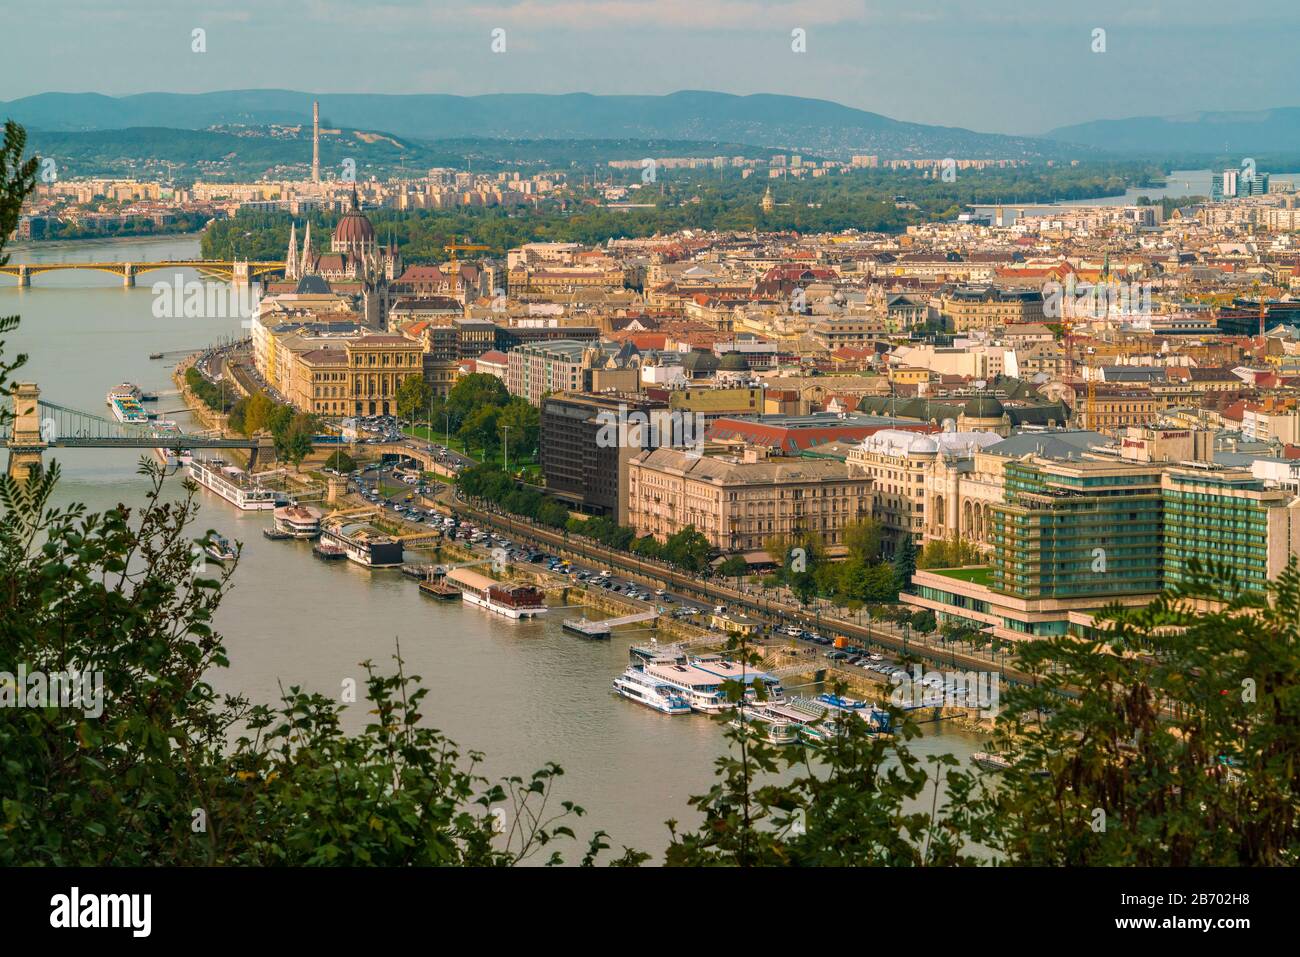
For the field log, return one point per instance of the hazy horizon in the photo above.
(929, 61)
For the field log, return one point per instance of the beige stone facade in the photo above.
(739, 504)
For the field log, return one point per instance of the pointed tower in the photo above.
(307, 263)
(768, 203)
(291, 259)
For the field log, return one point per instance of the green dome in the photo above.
(699, 361)
(982, 407)
(733, 362)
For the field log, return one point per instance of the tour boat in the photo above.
(989, 762)
(234, 485)
(511, 599)
(124, 401)
(168, 455)
(636, 685)
(219, 549)
(364, 545)
(767, 726)
(297, 521)
(702, 690)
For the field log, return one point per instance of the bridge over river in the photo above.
(31, 425)
(239, 272)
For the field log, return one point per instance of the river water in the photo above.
(523, 693)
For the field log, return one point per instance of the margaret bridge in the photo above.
(235, 271)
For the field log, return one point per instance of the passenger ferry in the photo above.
(511, 599)
(702, 691)
(124, 401)
(164, 428)
(234, 485)
(363, 545)
(989, 761)
(766, 725)
(637, 686)
(878, 718)
(297, 521)
(219, 549)
(813, 720)
(752, 678)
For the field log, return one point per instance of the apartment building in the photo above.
(989, 307)
(561, 365)
(740, 502)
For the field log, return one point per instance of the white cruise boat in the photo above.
(637, 686)
(124, 401)
(702, 691)
(234, 485)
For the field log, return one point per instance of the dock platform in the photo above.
(438, 588)
(602, 629)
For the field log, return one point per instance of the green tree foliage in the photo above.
(413, 398)
(905, 563)
(1176, 745)
(924, 622)
(340, 461)
(863, 538)
(949, 553)
(845, 805)
(213, 396)
(734, 567)
(151, 767)
(293, 437)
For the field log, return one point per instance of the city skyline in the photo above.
(933, 62)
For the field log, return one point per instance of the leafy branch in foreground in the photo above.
(1171, 738)
(142, 763)
(843, 803)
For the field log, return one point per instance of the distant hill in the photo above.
(280, 151)
(1243, 132)
(764, 120)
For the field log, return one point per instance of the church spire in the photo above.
(291, 260)
(305, 266)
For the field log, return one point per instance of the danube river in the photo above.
(521, 693)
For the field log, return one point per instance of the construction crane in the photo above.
(454, 247)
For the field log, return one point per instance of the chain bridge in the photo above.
(30, 425)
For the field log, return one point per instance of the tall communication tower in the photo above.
(315, 141)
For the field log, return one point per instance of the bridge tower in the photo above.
(26, 443)
(24, 277)
(128, 276)
(239, 273)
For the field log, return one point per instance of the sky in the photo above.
(1002, 66)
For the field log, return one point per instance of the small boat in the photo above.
(155, 355)
(327, 552)
(219, 549)
(275, 535)
(989, 762)
(766, 726)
